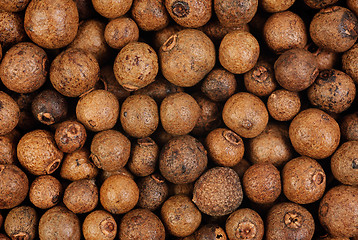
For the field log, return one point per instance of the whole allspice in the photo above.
(8, 143)
(283, 105)
(210, 232)
(15, 34)
(14, 5)
(112, 8)
(121, 31)
(99, 224)
(70, 136)
(9, 113)
(150, 15)
(349, 61)
(21, 223)
(235, 12)
(45, 191)
(349, 127)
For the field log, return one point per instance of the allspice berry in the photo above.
(112, 8)
(98, 110)
(21, 223)
(325, 59)
(333, 91)
(15, 186)
(180, 216)
(136, 66)
(74, 72)
(150, 15)
(13, 5)
(338, 212)
(289, 221)
(24, 68)
(296, 69)
(334, 28)
(15, 34)
(81, 196)
(99, 224)
(239, 52)
(283, 105)
(45, 191)
(224, 147)
(110, 150)
(245, 114)
(141, 224)
(8, 145)
(262, 183)
(284, 31)
(189, 13)
(144, 157)
(236, 12)
(182, 159)
(314, 133)
(218, 191)
(59, 223)
(349, 61)
(244, 223)
(70, 136)
(303, 180)
(349, 127)
(9, 113)
(272, 6)
(210, 231)
(121, 31)
(344, 163)
(179, 113)
(319, 4)
(49, 107)
(119, 194)
(186, 57)
(139, 116)
(77, 165)
(38, 153)
(51, 23)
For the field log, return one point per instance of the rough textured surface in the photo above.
(59, 223)
(289, 221)
(13, 5)
(24, 68)
(99, 224)
(349, 127)
(8, 143)
(51, 23)
(186, 57)
(350, 61)
(210, 232)
(324, 58)
(283, 105)
(9, 113)
(235, 13)
(150, 15)
(353, 6)
(319, 4)
(21, 223)
(141, 224)
(314, 133)
(98, 110)
(239, 52)
(338, 211)
(15, 33)
(296, 69)
(276, 5)
(244, 223)
(182, 159)
(15, 186)
(334, 28)
(112, 8)
(70, 136)
(303, 180)
(344, 163)
(218, 191)
(121, 31)
(245, 114)
(45, 192)
(74, 72)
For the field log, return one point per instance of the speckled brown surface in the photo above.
(38, 153)
(186, 57)
(150, 15)
(224, 147)
(353, 6)
(59, 223)
(284, 31)
(244, 223)
(303, 180)
(344, 163)
(45, 191)
(141, 224)
(334, 28)
(296, 69)
(338, 211)
(314, 133)
(74, 72)
(210, 232)
(349, 127)
(112, 8)
(15, 193)
(51, 23)
(180, 216)
(324, 58)
(333, 91)
(98, 110)
(9, 113)
(289, 221)
(182, 159)
(245, 114)
(179, 113)
(136, 66)
(110, 150)
(189, 13)
(8, 145)
(121, 31)
(70, 136)
(144, 157)
(13, 5)
(276, 5)
(21, 223)
(235, 13)
(11, 29)
(119, 194)
(350, 61)
(319, 4)
(239, 51)
(99, 224)
(218, 191)
(283, 105)
(24, 68)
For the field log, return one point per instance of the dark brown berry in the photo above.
(70, 136)
(9, 113)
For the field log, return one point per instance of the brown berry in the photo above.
(45, 192)
(8, 145)
(273, 6)
(283, 105)
(21, 223)
(121, 31)
(150, 15)
(112, 8)
(99, 224)
(13, 5)
(349, 127)
(210, 231)
(349, 61)
(70, 136)
(11, 35)
(9, 113)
